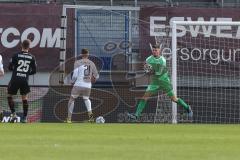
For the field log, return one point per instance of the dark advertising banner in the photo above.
(40, 23)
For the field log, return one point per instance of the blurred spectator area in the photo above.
(173, 3)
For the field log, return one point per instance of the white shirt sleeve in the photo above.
(75, 75)
(1, 67)
(95, 71)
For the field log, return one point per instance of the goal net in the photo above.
(206, 70)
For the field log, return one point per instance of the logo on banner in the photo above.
(6, 119)
(198, 51)
(44, 38)
(158, 27)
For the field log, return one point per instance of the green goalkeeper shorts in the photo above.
(161, 83)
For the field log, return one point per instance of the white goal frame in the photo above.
(174, 51)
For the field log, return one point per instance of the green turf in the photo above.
(119, 142)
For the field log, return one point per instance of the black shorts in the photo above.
(15, 85)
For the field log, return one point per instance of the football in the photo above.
(147, 68)
(100, 119)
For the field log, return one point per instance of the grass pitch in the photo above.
(46, 141)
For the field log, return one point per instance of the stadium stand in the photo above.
(195, 3)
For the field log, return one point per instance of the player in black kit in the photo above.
(22, 65)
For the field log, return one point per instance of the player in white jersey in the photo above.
(85, 73)
(1, 67)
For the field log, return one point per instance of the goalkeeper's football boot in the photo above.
(132, 117)
(24, 120)
(13, 118)
(91, 118)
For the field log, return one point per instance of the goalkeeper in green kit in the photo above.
(160, 80)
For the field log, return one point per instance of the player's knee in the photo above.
(174, 98)
(24, 97)
(145, 97)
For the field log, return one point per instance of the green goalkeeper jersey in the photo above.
(159, 66)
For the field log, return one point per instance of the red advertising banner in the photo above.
(214, 47)
(40, 23)
(152, 19)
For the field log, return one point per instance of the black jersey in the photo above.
(22, 65)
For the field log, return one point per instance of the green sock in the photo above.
(183, 104)
(141, 105)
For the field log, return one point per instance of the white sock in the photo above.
(88, 104)
(70, 109)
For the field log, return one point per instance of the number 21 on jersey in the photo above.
(86, 70)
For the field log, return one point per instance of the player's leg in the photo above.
(89, 108)
(166, 86)
(11, 103)
(151, 90)
(86, 94)
(12, 90)
(25, 108)
(24, 90)
(140, 106)
(142, 103)
(181, 102)
(70, 108)
(74, 94)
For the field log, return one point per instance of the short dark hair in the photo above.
(85, 51)
(26, 44)
(156, 46)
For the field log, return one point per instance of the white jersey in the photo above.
(84, 70)
(1, 67)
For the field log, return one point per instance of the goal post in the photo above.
(205, 71)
